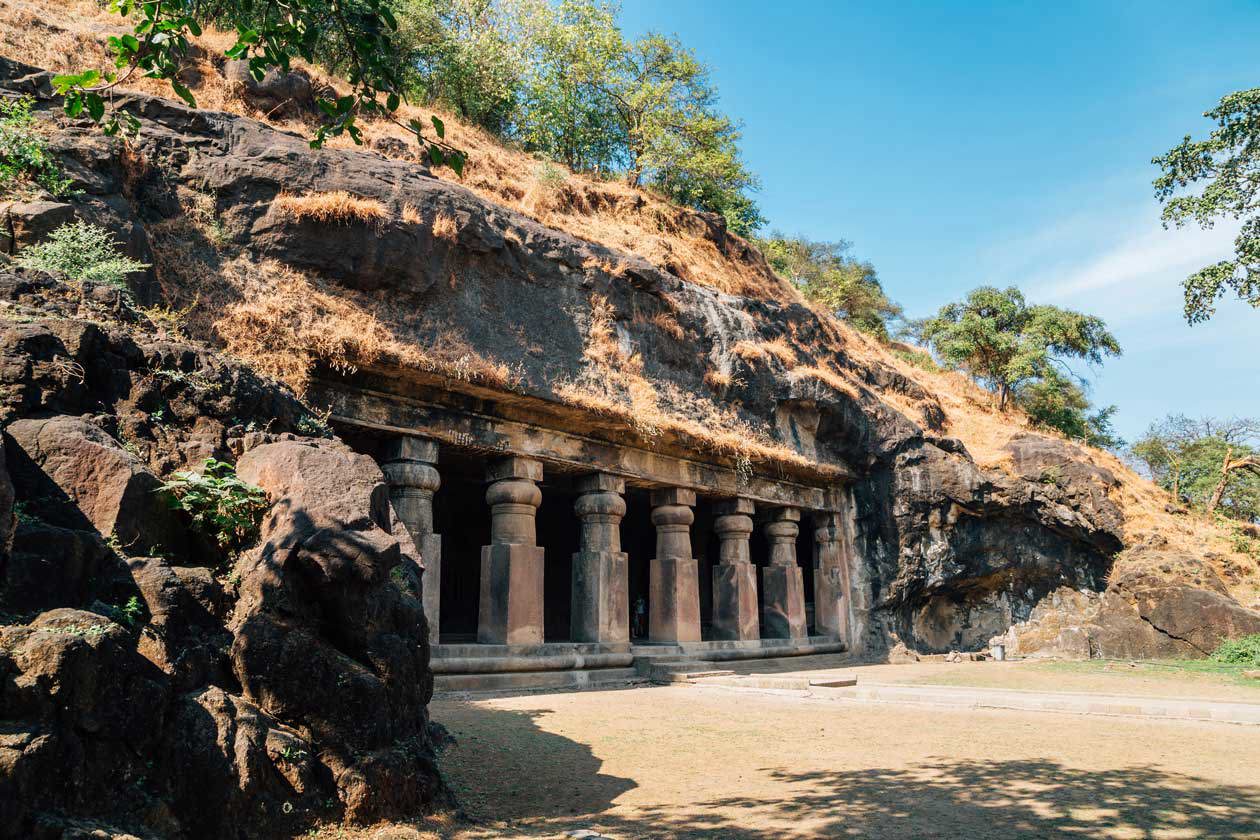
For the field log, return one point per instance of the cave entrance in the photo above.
(462, 517)
(705, 547)
(559, 533)
(638, 540)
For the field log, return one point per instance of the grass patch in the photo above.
(336, 207)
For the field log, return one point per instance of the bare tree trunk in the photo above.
(1246, 462)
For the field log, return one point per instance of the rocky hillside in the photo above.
(257, 693)
(150, 681)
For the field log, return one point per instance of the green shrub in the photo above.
(222, 506)
(918, 358)
(84, 253)
(24, 157)
(1240, 651)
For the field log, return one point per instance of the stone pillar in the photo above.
(734, 577)
(674, 597)
(410, 466)
(782, 584)
(831, 613)
(511, 611)
(601, 587)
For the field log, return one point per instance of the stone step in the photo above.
(683, 671)
(535, 680)
(784, 682)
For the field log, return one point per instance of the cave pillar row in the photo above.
(734, 576)
(410, 466)
(831, 578)
(600, 594)
(782, 583)
(674, 574)
(511, 605)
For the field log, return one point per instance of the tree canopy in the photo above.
(1210, 464)
(1006, 343)
(563, 80)
(358, 38)
(1228, 161)
(827, 273)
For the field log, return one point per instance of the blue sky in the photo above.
(960, 144)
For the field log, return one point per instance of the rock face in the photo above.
(149, 683)
(954, 553)
(1170, 606)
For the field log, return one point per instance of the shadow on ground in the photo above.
(529, 782)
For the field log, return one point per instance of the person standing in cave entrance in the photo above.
(638, 622)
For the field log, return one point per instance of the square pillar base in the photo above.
(831, 616)
(674, 600)
(431, 582)
(600, 597)
(783, 602)
(735, 601)
(511, 609)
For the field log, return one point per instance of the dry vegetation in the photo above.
(66, 35)
(614, 386)
(284, 323)
(336, 207)
(303, 323)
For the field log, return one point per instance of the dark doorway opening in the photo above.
(462, 517)
(559, 533)
(638, 540)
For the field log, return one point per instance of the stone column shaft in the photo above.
(831, 612)
(734, 577)
(601, 586)
(511, 608)
(674, 597)
(410, 466)
(782, 584)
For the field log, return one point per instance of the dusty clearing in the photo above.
(706, 762)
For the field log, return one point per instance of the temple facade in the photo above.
(556, 557)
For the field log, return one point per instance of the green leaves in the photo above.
(1229, 162)
(25, 162)
(1002, 341)
(221, 505)
(356, 38)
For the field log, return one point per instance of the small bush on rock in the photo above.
(1240, 651)
(25, 161)
(84, 253)
(222, 506)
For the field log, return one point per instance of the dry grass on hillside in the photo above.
(972, 416)
(614, 386)
(284, 323)
(336, 207)
(65, 35)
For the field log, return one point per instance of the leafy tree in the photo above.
(1229, 161)
(1005, 343)
(355, 36)
(675, 135)
(825, 272)
(469, 55)
(1056, 402)
(565, 110)
(1208, 463)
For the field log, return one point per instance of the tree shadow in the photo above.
(515, 779)
(505, 768)
(972, 799)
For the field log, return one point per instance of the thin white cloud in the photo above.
(1141, 267)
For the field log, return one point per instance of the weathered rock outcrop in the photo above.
(1165, 604)
(149, 683)
(955, 553)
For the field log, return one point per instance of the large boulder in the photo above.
(1161, 604)
(83, 715)
(85, 479)
(326, 639)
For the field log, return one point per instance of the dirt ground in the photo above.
(708, 762)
